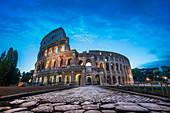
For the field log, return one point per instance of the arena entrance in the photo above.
(78, 79)
(58, 79)
(51, 79)
(88, 80)
(67, 79)
(97, 80)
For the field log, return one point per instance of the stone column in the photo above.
(83, 78)
(73, 60)
(72, 78)
(117, 81)
(63, 78)
(115, 68)
(54, 80)
(121, 81)
(59, 47)
(42, 79)
(64, 60)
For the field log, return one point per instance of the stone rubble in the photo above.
(86, 100)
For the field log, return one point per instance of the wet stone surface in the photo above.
(86, 100)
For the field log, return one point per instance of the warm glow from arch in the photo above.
(88, 62)
(102, 64)
(47, 65)
(53, 63)
(62, 47)
(50, 51)
(69, 61)
(45, 53)
(77, 79)
(56, 49)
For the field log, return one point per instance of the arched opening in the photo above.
(108, 79)
(112, 66)
(58, 79)
(62, 47)
(42, 65)
(119, 80)
(114, 80)
(67, 79)
(78, 79)
(51, 79)
(45, 53)
(47, 65)
(50, 51)
(53, 63)
(60, 64)
(97, 65)
(89, 79)
(107, 66)
(121, 68)
(106, 59)
(81, 63)
(124, 80)
(97, 80)
(117, 67)
(45, 80)
(56, 49)
(101, 65)
(88, 62)
(69, 61)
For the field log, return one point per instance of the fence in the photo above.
(161, 89)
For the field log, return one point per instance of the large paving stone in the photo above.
(58, 104)
(155, 107)
(125, 104)
(131, 108)
(164, 103)
(67, 107)
(24, 112)
(93, 111)
(28, 104)
(4, 108)
(108, 111)
(86, 103)
(91, 107)
(75, 111)
(14, 110)
(43, 109)
(107, 106)
(17, 101)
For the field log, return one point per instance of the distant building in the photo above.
(58, 64)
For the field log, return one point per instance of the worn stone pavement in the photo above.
(87, 100)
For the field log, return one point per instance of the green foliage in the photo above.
(137, 75)
(9, 74)
(27, 76)
(156, 72)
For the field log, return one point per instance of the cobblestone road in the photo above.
(87, 100)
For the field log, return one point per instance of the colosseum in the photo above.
(58, 64)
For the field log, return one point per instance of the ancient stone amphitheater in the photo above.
(58, 64)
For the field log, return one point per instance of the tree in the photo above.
(8, 64)
(137, 75)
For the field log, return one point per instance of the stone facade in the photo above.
(58, 64)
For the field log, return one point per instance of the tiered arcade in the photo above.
(58, 64)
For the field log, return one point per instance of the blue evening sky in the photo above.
(138, 29)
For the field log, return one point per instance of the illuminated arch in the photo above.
(45, 53)
(89, 79)
(80, 62)
(62, 47)
(97, 65)
(47, 64)
(50, 51)
(58, 79)
(60, 63)
(102, 64)
(69, 61)
(53, 63)
(56, 49)
(112, 66)
(67, 79)
(88, 62)
(78, 79)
